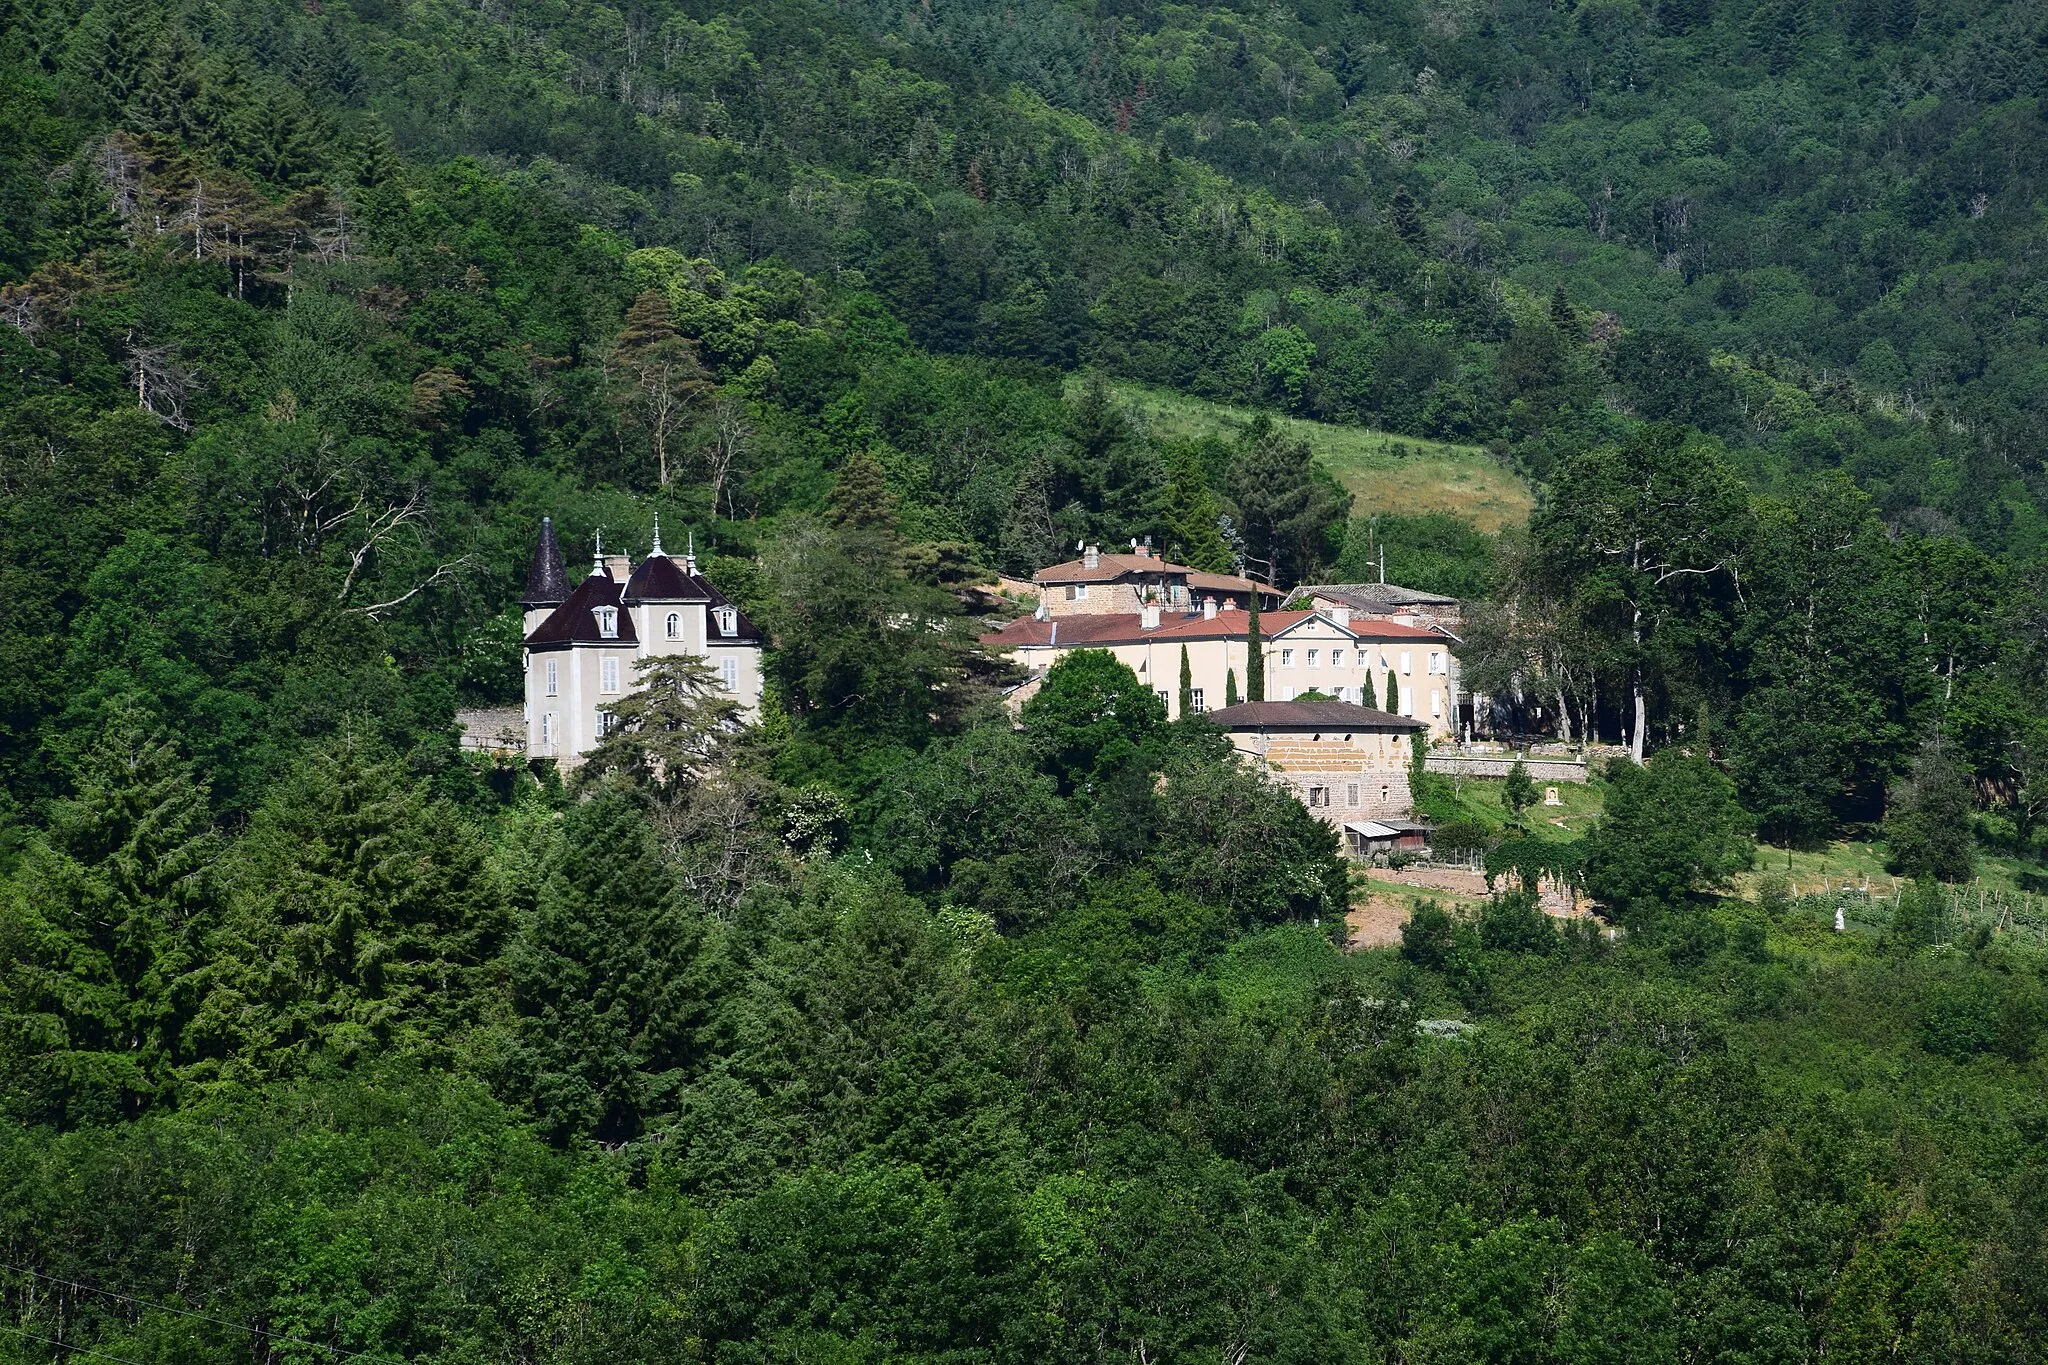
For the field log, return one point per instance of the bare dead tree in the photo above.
(161, 383)
(730, 431)
(380, 527)
(441, 574)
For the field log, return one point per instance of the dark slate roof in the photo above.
(660, 579)
(1308, 715)
(574, 623)
(547, 582)
(744, 631)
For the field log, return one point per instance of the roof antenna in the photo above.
(656, 552)
(690, 555)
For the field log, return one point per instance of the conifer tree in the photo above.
(607, 1005)
(1187, 685)
(1393, 693)
(1230, 687)
(861, 500)
(98, 928)
(1368, 695)
(1190, 514)
(1254, 655)
(361, 914)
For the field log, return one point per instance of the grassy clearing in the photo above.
(1387, 473)
(1478, 799)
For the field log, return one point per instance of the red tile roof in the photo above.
(1109, 568)
(1127, 628)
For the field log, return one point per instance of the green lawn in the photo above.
(1478, 798)
(1387, 473)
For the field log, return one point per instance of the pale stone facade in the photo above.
(1304, 651)
(584, 646)
(1341, 766)
(1099, 584)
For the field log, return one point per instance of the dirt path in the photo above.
(1559, 902)
(1375, 921)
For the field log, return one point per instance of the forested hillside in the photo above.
(900, 1027)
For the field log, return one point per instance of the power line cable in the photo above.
(191, 1313)
(67, 1346)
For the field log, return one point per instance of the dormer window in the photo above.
(675, 625)
(728, 620)
(607, 622)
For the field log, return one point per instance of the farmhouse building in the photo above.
(1329, 653)
(1097, 584)
(1348, 764)
(584, 643)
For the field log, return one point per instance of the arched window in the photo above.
(675, 625)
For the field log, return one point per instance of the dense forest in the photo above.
(900, 1026)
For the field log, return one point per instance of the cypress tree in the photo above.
(1187, 684)
(1230, 687)
(1393, 694)
(1369, 694)
(1254, 656)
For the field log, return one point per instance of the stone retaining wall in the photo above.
(1497, 765)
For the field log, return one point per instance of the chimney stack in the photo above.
(1209, 608)
(1093, 558)
(1148, 619)
(1340, 614)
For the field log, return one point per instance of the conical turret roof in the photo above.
(547, 582)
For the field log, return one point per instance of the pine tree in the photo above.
(364, 914)
(861, 500)
(1562, 316)
(100, 923)
(1187, 685)
(1517, 793)
(1191, 513)
(1254, 655)
(670, 731)
(1405, 216)
(607, 1006)
(372, 157)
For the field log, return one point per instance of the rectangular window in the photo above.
(1436, 703)
(608, 675)
(1164, 698)
(1072, 592)
(608, 622)
(1351, 794)
(1081, 592)
(553, 688)
(1315, 658)
(1287, 694)
(1287, 658)
(1406, 667)
(547, 730)
(1195, 697)
(1436, 662)
(1336, 658)
(1318, 797)
(729, 674)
